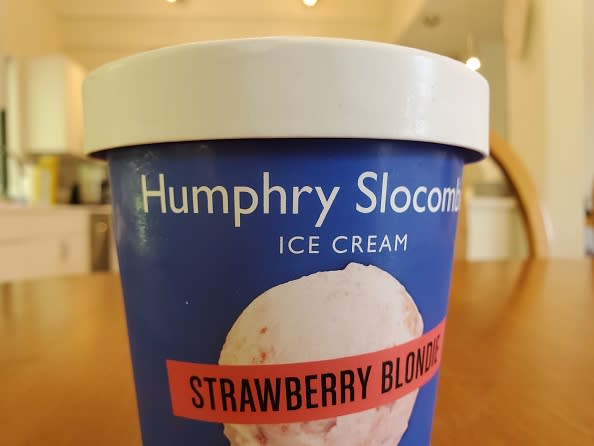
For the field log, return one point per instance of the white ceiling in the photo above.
(97, 31)
(457, 19)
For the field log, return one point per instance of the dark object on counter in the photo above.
(75, 194)
(100, 241)
(105, 195)
(3, 155)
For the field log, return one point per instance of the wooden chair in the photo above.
(536, 219)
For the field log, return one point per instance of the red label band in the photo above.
(306, 391)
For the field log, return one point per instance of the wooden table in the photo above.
(518, 363)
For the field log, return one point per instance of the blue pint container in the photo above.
(285, 213)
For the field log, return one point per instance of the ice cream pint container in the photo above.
(285, 212)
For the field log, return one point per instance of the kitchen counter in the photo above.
(42, 241)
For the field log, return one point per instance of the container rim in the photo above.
(285, 87)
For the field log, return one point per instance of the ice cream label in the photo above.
(286, 292)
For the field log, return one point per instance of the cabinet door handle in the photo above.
(64, 251)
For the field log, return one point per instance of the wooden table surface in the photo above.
(518, 365)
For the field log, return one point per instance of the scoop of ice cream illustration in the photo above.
(326, 315)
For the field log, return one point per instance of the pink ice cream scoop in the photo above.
(326, 315)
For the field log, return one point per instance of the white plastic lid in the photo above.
(280, 87)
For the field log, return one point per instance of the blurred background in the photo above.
(533, 199)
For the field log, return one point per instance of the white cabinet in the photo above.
(53, 105)
(38, 242)
(495, 229)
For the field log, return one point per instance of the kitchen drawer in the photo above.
(27, 258)
(41, 223)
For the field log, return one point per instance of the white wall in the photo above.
(546, 109)
(565, 122)
(492, 56)
(589, 102)
(525, 99)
